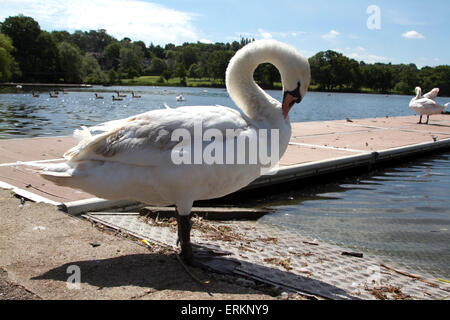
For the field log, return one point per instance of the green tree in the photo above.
(70, 59)
(378, 77)
(111, 55)
(189, 55)
(113, 77)
(130, 59)
(194, 71)
(157, 66)
(92, 41)
(442, 81)
(266, 74)
(180, 71)
(9, 67)
(92, 73)
(23, 32)
(219, 63)
(46, 58)
(407, 78)
(166, 75)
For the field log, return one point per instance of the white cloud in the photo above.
(333, 34)
(361, 54)
(136, 19)
(413, 35)
(264, 34)
(203, 40)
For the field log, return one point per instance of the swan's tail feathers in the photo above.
(58, 173)
(57, 178)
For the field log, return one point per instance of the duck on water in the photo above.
(132, 158)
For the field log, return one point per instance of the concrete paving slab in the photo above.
(40, 247)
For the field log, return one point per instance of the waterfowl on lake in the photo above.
(426, 106)
(53, 96)
(120, 95)
(180, 98)
(35, 95)
(137, 157)
(133, 95)
(116, 99)
(97, 96)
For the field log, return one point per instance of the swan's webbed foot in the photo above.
(209, 258)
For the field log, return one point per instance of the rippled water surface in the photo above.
(401, 213)
(21, 115)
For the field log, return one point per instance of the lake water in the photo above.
(21, 115)
(402, 213)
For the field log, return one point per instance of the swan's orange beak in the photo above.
(288, 102)
(289, 99)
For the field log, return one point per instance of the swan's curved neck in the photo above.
(243, 89)
(418, 93)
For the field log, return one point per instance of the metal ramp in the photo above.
(290, 261)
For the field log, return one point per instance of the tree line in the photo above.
(29, 54)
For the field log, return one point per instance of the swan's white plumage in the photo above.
(425, 105)
(432, 94)
(131, 158)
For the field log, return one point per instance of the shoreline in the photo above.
(179, 85)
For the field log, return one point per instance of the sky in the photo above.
(400, 31)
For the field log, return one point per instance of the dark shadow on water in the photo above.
(161, 272)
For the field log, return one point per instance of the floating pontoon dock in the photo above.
(316, 148)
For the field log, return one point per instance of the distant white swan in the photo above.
(132, 158)
(426, 106)
(180, 98)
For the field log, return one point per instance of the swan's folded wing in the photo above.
(146, 139)
(421, 103)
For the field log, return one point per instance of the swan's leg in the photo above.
(184, 237)
(428, 119)
(201, 256)
(420, 120)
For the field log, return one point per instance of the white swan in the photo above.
(133, 158)
(426, 106)
(180, 98)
